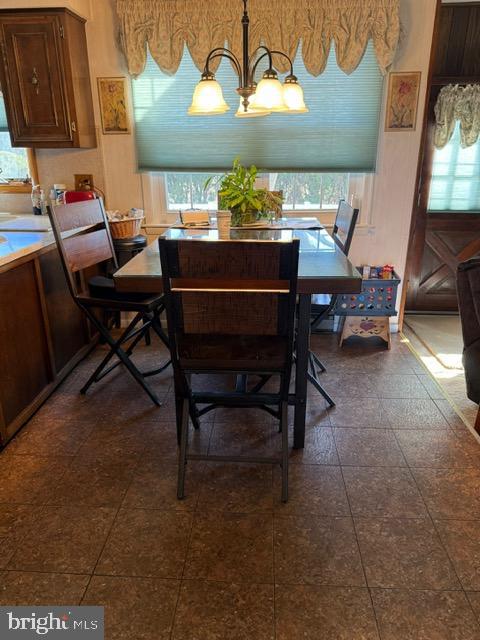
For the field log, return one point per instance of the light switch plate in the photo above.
(83, 181)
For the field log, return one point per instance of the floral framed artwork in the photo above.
(402, 101)
(113, 105)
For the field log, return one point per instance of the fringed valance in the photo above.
(166, 26)
(458, 103)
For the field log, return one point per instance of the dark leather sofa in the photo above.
(468, 287)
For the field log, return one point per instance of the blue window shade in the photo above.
(3, 115)
(455, 184)
(339, 134)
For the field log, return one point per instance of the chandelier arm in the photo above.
(222, 52)
(260, 48)
(254, 68)
(232, 59)
(270, 55)
(284, 55)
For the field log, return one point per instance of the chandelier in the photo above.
(268, 96)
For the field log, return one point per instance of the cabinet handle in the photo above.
(35, 82)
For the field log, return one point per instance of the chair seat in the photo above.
(103, 289)
(321, 300)
(232, 353)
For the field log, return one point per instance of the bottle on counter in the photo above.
(52, 197)
(37, 199)
(60, 193)
(43, 203)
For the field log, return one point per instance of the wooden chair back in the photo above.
(229, 288)
(83, 238)
(344, 227)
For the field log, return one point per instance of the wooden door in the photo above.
(32, 79)
(440, 240)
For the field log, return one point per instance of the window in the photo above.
(167, 193)
(455, 182)
(338, 135)
(301, 191)
(310, 191)
(15, 163)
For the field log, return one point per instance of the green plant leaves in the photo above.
(238, 193)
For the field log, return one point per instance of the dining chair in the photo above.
(84, 242)
(468, 290)
(230, 310)
(323, 304)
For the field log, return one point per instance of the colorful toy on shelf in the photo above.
(367, 313)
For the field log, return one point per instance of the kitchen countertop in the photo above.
(24, 222)
(16, 244)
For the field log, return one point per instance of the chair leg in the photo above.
(182, 460)
(120, 353)
(148, 340)
(318, 362)
(95, 377)
(157, 327)
(285, 452)
(260, 385)
(194, 415)
(320, 389)
(477, 421)
(311, 365)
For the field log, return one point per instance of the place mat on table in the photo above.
(284, 223)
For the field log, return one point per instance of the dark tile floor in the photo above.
(380, 538)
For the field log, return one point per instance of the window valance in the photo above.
(457, 103)
(166, 26)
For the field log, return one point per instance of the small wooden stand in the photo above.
(366, 327)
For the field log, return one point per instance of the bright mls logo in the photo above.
(58, 623)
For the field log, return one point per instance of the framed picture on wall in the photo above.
(112, 95)
(402, 101)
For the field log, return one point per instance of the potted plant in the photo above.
(237, 193)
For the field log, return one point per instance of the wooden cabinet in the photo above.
(43, 335)
(45, 79)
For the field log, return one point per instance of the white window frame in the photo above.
(157, 215)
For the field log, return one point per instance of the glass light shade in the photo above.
(269, 95)
(252, 110)
(208, 99)
(293, 96)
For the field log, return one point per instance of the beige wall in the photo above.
(113, 163)
(394, 183)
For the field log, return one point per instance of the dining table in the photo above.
(323, 269)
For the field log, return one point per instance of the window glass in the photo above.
(455, 184)
(13, 161)
(301, 191)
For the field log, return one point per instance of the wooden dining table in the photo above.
(323, 268)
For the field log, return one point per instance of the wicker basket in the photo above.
(127, 228)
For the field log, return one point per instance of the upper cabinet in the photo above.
(45, 78)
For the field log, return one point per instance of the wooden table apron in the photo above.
(322, 268)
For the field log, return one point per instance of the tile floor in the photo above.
(451, 380)
(379, 540)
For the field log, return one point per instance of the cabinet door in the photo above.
(67, 324)
(25, 368)
(33, 80)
